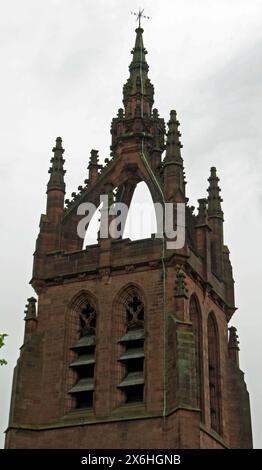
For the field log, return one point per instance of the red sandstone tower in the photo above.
(129, 345)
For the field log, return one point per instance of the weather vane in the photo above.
(139, 15)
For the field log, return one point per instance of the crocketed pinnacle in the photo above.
(56, 170)
(30, 310)
(214, 198)
(173, 144)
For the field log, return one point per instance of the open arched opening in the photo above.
(91, 235)
(141, 219)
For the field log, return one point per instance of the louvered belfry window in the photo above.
(132, 356)
(84, 362)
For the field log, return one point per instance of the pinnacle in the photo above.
(59, 142)
(173, 144)
(56, 170)
(233, 341)
(30, 311)
(202, 212)
(214, 198)
(93, 157)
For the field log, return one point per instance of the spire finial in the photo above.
(139, 15)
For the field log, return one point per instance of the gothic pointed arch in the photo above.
(141, 219)
(196, 319)
(214, 373)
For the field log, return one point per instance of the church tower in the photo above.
(127, 344)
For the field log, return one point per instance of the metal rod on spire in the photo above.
(139, 15)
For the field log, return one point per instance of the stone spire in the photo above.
(173, 144)
(56, 170)
(139, 53)
(138, 92)
(214, 198)
(138, 120)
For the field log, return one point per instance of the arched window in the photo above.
(132, 351)
(214, 373)
(83, 363)
(195, 318)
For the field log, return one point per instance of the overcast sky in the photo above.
(63, 65)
